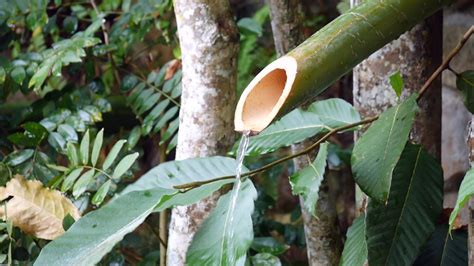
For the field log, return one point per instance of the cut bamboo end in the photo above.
(263, 98)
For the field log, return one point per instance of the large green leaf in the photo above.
(355, 248)
(306, 182)
(466, 190)
(92, 236)
(445, 248)
(396, 231)
(300, 125)
(212, 244)
(377, 152)
(169, 174)
(335, 112)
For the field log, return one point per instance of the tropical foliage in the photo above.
(88, 100)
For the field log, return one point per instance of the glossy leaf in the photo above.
(466, 190)
(212, 245)
(292, 128)
(99, 196)
(377, 152)
(72, 154)
(82, 183)
(96, 147)
(71, 178)
(396, 81)
(94, 235)
(57, 141)
(169, 174)
(268, 245)
(265, 259)
(335, 112)
(355, 248)
(19, 157)
(68, 133)
(397, 230)
(84, 148)
(445, 248)
(32, 136)
(306, 182)
(299, 125)
(124, 165)
(113, 154)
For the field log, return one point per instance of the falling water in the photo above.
(234, 196)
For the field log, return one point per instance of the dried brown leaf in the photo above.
(35, 209)
(172, 68)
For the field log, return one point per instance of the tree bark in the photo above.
(209, 45)
(470, 143)
(416, 54)
(323, 242)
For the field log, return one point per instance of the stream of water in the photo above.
(244, 142)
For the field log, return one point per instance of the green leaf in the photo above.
(3, 75)
(82, 183)
(169, 174)
(335, 112)
(396, 81)
(292, 128)
(134, 137)
(306, 182)
(72, 154)
(465, 83)
(71, 178)
(57, 141)
(397, 230)
(377, 152)
(124, 165)
(113, 154)
(445, 248)
(18, 74)
(94, 26)
(268, 245)
(84, 148)
(299, 125)
(355, 248)
(32, 136)
(68, 133)
(249, 26)
(466, 190)
(70, 24)
(212, 244)
(68, 221)
(19, 157)
(99, 196)
(265, 259)
(95, 234)
(97, 146)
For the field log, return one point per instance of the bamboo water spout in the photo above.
(314, 65)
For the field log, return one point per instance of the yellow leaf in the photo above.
(36, 210)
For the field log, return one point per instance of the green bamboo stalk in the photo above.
(322, 59)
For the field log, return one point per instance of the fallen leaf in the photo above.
(172, 67)
(35, 209)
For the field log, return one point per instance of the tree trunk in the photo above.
(323, 242)
(416, 54)
(470, 143)
(209, 45)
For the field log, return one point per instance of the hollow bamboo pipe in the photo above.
(314, 65)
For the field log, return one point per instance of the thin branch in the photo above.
(443, 66)
(446, 61)
(106, 41)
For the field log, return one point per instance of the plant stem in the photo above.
(446, 61)
(316, 144)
